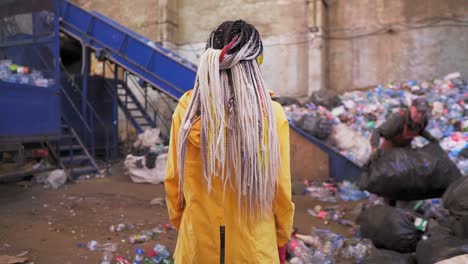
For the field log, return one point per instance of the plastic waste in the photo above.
(356, 249)
(106, 257)
(139, 256)
(329, 242)
(366, 110)
(351, 192)
(122, 260)
(298, 249)
(56, 178)
(134, 239)
(160, 253)
(120, 227)
(93, 245)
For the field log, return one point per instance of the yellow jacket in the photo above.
(206, 220)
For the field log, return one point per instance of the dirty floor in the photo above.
(48, 226)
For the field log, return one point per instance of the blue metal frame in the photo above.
(31, 112)
(340, 167)
(156, 65)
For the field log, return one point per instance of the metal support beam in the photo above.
(115, 122)
(84, 89)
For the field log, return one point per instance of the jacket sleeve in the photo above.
(388, 129)
(283, 205)
(171, 181)
(425, 134)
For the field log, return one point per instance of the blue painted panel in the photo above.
(29, 111)
(106, 34)
(154, 64)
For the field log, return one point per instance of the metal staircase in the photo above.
(72, 155)
(159, 67)
(134, 99)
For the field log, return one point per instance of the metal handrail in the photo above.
(152, 106)
(93, 111)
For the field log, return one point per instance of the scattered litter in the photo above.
(139, 173)
(120, 227)
(5, 259)
(56, 178)
(330, 214)
(158, 201)
(22, 254)
(332, 192)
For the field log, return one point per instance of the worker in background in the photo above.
(402, 127)
(228, 185)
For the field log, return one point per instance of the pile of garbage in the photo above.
(157, 254)
(346, 121)
(324, 247)
(13, 73)
(333, 192)
(417, 232)
(430, 230)
(147, 162)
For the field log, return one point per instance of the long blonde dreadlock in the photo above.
(239, 141)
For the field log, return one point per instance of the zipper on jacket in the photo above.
(222, 244)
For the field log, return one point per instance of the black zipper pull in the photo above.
(222, 244)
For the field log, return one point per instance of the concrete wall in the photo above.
(282, 25)
(397, 50)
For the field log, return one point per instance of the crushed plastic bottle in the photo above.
(299, 250)
(134, 239)
(139, 256)
(106, 257)
(93, 245)
(122, 260)
(356, 249)
(351, 192)
(120, 227)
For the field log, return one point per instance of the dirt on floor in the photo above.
(51, 226)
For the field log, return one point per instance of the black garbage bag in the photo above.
(389, 228)
(441, 244)
(455, 199)
(458, 225)
(318, 127)
(284, 100)
(409, 174)
(383, 256)
(151, 160)
(325, 98)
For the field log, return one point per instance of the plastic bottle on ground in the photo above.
(139, 256)
(298, 249)
(106, 257)
(138, 239)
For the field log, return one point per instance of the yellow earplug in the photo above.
(260, 59)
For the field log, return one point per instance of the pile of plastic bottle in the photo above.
(363, 111)
(324, 247)
(333, 192)
(13, 73)
(330, 214)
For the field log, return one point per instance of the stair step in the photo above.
(133, 109)
(82, 170)
(68, 147)
(77, 158)
(67, 136)
(138, 117)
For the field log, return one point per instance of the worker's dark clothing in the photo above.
(399, 130)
